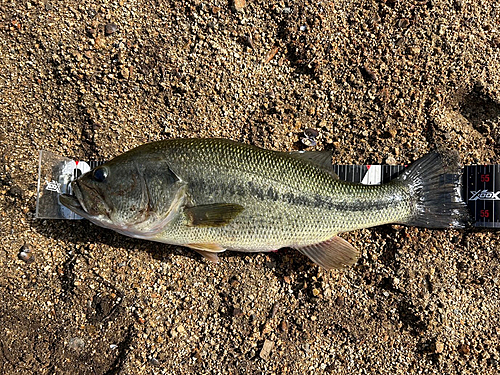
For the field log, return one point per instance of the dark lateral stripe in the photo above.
(232, 188)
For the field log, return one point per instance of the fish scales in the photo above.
(288, 202)
(214, 195)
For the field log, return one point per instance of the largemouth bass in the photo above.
(213, 195)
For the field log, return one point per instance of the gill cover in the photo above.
(136, 195)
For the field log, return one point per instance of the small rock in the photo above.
(403, 23)
(391, 132)
(26, 255)
(439, 347)
(237, 312)
(274, 309)
(369, 73)
(390, 161)
(154, 362)
(311, 133)
(239, 5)
(125, 72)
(284, 325)
(267, 328)
(181, 330)
(463, 349)
(110, 28)
(76, 343)
(414, 50)
(16, 192)
(266, 349)
(271, 54)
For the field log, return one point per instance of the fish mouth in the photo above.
(74, 202)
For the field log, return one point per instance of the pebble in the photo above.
(309, 139)
(274, 310)
(266, 349)
(110, 28)
(237, 312)
(271, 54)
(390, 161)
(154, 362)
(16, 192)
(181, 330)
(308, 142)
(339, 301)
(125, 72)
(26, 255)
(284, 325)
(463, 349)
(239, 5)
(76, 343)
(439, 347)
(404, 23)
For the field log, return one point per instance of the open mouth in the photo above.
(72, 202)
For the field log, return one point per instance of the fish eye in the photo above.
(100, 174)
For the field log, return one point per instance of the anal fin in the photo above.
(333, 253)
(207, 251)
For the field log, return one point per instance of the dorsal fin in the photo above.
(321, 159)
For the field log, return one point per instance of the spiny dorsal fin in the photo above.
(333, 253)
(212, 215)
(321, 159)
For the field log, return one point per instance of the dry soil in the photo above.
(381, 80)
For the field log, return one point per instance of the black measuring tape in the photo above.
(480, 187)
(481, 192)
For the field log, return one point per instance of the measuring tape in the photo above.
(480, 185)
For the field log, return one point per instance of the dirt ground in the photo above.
(381, 80)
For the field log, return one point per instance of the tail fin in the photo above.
(435, 184)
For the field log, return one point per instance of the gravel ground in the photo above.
(381, 80)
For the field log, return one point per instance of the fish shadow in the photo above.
(83, 232)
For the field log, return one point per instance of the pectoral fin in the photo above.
(333, 253)
(212, 215)
(207, 250)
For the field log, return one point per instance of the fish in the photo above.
(213, 195)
